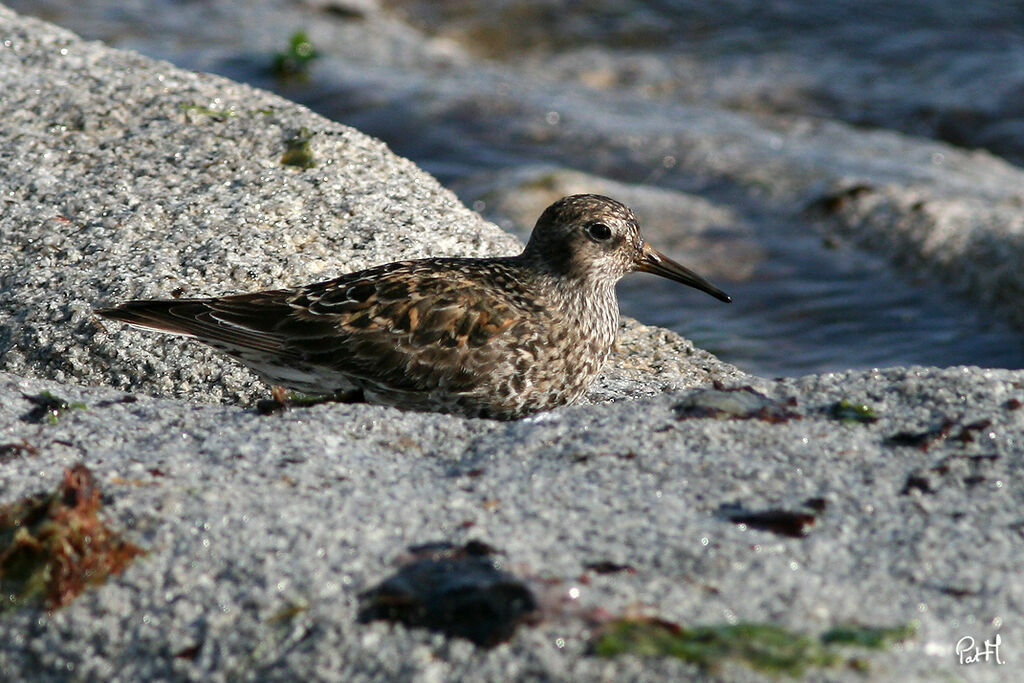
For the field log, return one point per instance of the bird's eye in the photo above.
(599, 232)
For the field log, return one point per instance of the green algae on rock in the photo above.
(765, 647)
(850, 412)
(872, 637)
(295, 60)
(297, 150)
(49, 407)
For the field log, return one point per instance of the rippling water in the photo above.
(483, 113)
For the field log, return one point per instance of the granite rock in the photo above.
(127, 177)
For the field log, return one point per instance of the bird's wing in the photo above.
(408, 326)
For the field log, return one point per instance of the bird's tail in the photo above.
(230, 323)
(173, 316)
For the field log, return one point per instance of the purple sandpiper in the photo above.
(498, 337)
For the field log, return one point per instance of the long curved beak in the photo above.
(653, 261)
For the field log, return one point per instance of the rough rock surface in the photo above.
(124, 177)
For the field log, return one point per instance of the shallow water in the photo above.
(804, 304)
(793, 317)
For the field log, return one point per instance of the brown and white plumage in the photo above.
(493, 337)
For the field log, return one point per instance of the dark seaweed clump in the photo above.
(54, 545)
(456, 590)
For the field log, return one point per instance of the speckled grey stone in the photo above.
(246, 516)
(120, 191)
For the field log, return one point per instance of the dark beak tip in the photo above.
(659, 264)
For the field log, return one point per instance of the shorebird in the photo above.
(501, 337)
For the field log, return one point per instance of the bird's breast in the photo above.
(577, 341)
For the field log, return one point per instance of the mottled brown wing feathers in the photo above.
(401, 325)
(405, 326)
